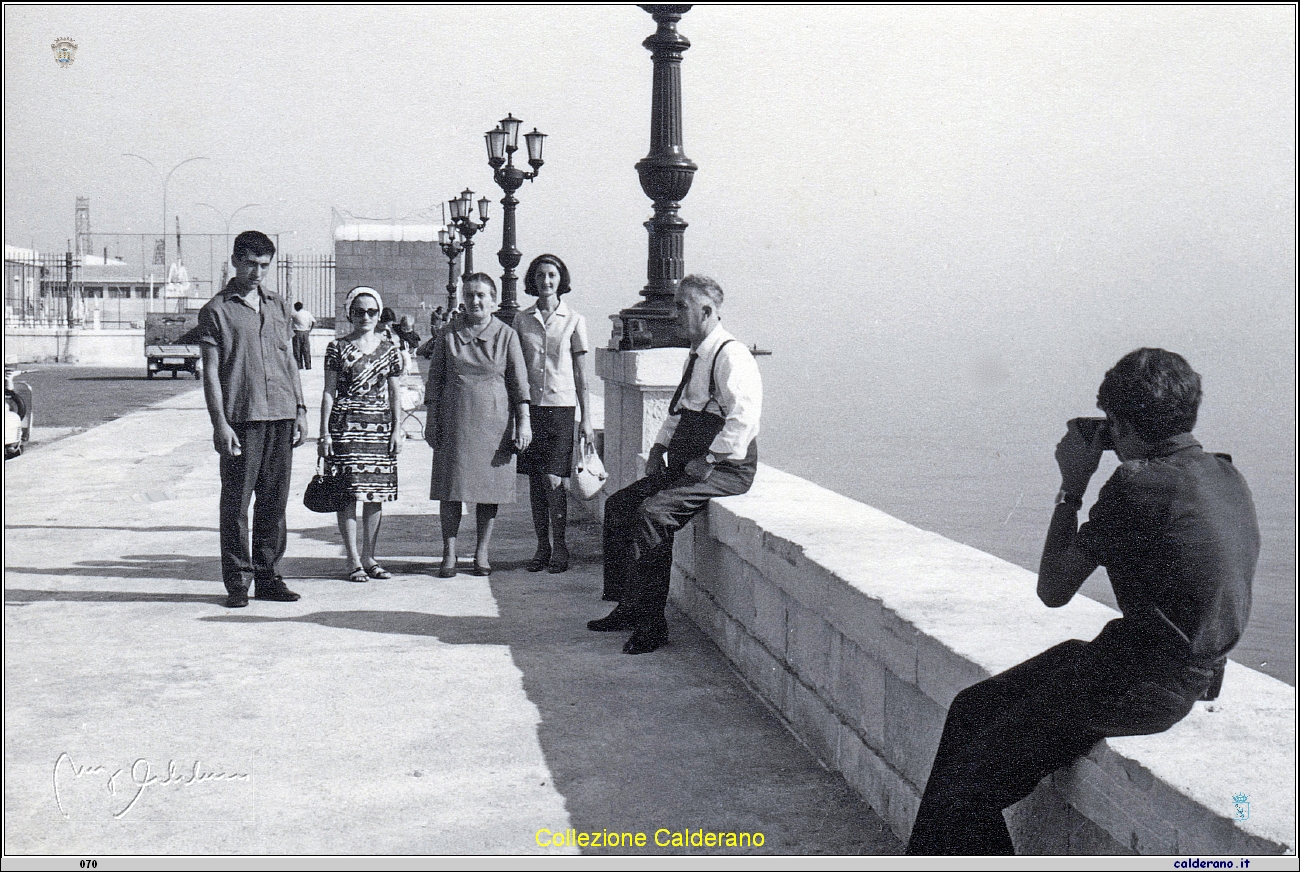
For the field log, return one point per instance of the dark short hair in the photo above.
(479, 279)
(297, 305)
(387, 315)
(253, 242)
(530, 282)
(703, 286)
(1156, 391)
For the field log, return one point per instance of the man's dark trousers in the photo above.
(302, 349)
(640, 521)
(1004, 734)
(262, 469)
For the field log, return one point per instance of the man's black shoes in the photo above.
(237, 599)
(615, 620)
(274, 590)
(644, 641)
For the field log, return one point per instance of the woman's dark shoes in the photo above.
(559, 560)
(541, 560)
(644, 641)
(447, 570)
(481, 570)
(615, 620)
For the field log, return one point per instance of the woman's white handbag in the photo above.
(588, 472)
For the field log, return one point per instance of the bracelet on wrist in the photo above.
(1065, 498)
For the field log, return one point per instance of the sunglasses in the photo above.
(368, 313)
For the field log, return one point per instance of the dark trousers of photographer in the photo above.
(1003, 735)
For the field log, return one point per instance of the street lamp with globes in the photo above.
(462, 219)
(502, 143)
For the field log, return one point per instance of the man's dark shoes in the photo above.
(274, 590)
(540, 560)
(237, 599)
(615, 620)
(644, 641)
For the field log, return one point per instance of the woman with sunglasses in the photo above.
(359, 439)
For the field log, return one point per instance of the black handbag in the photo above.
(325, 491)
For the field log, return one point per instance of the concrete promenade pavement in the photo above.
(410, 716)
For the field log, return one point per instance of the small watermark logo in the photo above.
(65, 51)
(1240, 807)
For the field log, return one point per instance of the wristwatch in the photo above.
(710, 458)
(1065, 498)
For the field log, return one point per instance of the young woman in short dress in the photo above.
(554, 340)
(359, 439)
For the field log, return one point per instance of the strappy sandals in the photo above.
(377, 571)
(358, 575)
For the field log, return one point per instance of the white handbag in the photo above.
(588, 472)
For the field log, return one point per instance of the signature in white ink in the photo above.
(133, 780)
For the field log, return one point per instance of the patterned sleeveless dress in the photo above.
(361, 421)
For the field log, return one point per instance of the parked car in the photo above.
(170, 345)
(18, 413)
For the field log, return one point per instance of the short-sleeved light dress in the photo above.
(361, 422)
(476, 377)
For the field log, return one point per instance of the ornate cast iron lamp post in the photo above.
(666, 174)
(462, 219)
(451, 246)
(502, 143)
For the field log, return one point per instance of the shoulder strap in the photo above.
(713, 375)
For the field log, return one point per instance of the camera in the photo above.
(1092, 429)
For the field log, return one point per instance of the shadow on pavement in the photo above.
(23, 596)
(671, 740)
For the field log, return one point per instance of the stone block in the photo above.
(941, 673)
(684, 552)
(852, 612)
(808, 646)
(894, 645)
(913, 724)
(1039, 823)
(814, 722)
(770, 616)
(733, 582)
(858, 690)
(767, 674)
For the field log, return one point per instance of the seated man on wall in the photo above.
(1175, 528)
(711, 440)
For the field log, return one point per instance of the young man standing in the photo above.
(255, 400)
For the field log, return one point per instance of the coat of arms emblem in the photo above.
(1240, 807)
(65, 51)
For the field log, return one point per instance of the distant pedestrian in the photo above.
(359, 437)
(303, 322)
(406, 333)
(255, 400)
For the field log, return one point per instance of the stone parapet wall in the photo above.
(859, 629)
(86, 347)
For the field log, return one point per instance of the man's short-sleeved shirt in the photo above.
(549, 345)
(259, 378)
(1178, 536)
(303, 320)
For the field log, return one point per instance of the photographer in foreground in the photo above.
(1175, 528)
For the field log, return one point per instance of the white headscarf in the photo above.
(362, 291)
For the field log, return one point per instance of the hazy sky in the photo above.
(872, 172)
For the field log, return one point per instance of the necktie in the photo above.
(686, 378)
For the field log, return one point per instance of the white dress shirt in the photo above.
(549, 345)
(738, 397)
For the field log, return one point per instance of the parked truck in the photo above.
(170, 343)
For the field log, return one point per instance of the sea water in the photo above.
(961, 442)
